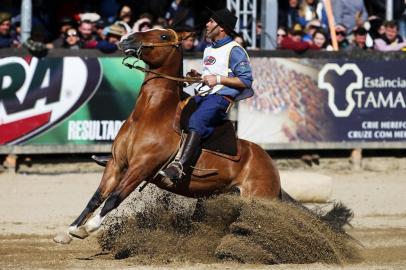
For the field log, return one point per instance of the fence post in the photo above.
(26, 19)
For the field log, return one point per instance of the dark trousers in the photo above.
(211, 111)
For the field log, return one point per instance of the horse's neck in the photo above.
(159, 95)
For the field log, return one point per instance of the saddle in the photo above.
(223, 142)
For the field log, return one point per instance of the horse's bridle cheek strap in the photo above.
(177, 42)
(150, 44)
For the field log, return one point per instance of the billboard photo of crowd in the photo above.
(287, 105)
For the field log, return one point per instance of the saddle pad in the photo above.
(223, 140)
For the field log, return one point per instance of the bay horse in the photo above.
(147, 140)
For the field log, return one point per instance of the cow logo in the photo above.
(323, 84)
(209, 60)
(36, 95)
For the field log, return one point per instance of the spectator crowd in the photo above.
(302, 24)
(90, 24)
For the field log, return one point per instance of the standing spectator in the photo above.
(160, 23)
(281, 33)
(143, 23)
(289, 16)
(351, 13)
(72, 39)
(378, 8)
(6, 40)
(293, 41)
(240, 40)
(359, 41)
(203, 42)
(65, 23)
(391, 40)
(99, 31)
(320, 41)
(178, 13)
(341, 34)
(188, 37)
(310, 29)
(376, 27)
(258, 31)
(16, 31)
(114, 34)
(86, 35)
(108, 9)
(310, 10)
(188, 44)
(125, 14)
(125, 17)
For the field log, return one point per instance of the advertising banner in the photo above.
(325, 101)
(83, 101)
(64, 100)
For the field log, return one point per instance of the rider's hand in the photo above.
(194, 74)
(210, 80)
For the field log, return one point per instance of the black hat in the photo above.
(360, 31)
(225, 19)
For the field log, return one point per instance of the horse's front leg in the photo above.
(111, 177)
(127, 185)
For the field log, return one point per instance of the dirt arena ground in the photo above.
(42, 200)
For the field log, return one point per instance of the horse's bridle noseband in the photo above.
(137, 54)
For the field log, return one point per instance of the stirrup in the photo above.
(175, 165)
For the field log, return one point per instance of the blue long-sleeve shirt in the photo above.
(239, 65)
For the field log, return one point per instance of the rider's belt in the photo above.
(230, 99)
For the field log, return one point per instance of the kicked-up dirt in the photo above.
(154, 230)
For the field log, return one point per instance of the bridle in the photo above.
(137, 54)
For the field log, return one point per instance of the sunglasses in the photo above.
(341, 33)
(281, 35)
(72, 34)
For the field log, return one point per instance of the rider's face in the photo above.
(212, 30)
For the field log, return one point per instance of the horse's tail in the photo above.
(339, 216)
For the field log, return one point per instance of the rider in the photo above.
(226, 77)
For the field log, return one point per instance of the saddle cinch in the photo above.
(223, 142)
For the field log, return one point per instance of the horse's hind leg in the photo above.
(259, 176)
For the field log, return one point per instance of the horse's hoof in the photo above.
(63, 238)
(78, 232)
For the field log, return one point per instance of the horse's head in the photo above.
(152, 46)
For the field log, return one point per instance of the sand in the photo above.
(40, 201)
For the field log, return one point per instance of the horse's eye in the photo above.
(164, 37)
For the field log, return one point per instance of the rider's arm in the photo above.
(241, 75)
(240, 67)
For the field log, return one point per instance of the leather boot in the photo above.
(177, 169)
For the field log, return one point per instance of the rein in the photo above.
(160, 74)
(138, 52)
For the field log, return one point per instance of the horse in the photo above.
(147, 140)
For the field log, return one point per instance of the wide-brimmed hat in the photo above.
(116, 30)
(225, 18)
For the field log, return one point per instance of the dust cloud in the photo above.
(165, 228)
